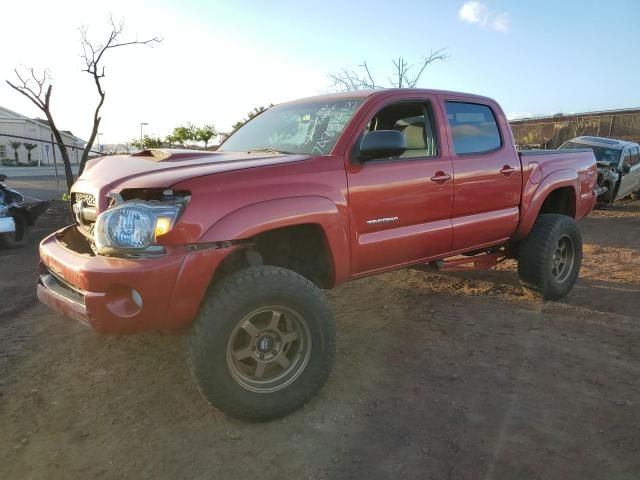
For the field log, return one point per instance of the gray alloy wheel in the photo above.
(263, 343)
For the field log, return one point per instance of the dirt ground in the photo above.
(438, 376)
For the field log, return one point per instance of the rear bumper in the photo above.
(120, 295)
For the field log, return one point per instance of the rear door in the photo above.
(487, 173)
(400, 207)
(630, 182)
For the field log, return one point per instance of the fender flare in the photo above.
(261, 217)
(534, 196)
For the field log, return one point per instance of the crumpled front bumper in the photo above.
(126, 295)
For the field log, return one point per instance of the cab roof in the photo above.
(384, 92)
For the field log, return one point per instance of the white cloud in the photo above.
(473, 12)
(501, 22)
(477, 13)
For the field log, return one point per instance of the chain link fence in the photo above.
(551, 132)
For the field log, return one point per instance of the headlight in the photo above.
(134, 225)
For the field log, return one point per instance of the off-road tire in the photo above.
(536, 256)
(19, 237)
(224, 308)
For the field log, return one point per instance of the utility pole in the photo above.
(55, 165)
(141, 124)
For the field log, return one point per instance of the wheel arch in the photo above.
(556, 193)
(259, 227)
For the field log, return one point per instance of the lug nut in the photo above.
(261, 356)
(253, 348)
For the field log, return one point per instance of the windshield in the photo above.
(602, 154)
(301, 128)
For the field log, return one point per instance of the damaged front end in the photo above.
(131, 223)
(608, 177)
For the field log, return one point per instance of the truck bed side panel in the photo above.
(546, 171)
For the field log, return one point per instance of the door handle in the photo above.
(507, 170)
(440, 177)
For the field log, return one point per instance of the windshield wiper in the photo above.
(266, 150)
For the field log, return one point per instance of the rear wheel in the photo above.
(263, 343)
(550, 257)
(17, 238)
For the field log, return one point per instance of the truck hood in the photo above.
(165, 168)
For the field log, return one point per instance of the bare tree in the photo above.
(38, 87)
(403, 77)
(92, 56)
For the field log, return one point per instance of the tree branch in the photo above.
(347, 80)
(92, 55)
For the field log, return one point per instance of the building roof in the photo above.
(41, 121)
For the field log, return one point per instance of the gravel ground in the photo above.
(442, 376)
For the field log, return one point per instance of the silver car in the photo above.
(618, 165)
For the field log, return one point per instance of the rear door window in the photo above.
(474, 128)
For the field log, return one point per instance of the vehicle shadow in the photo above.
(611, 232)
(608, 297)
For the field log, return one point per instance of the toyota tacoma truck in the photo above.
(234, 247)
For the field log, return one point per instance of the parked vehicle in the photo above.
(236, 245)
(618, 165)
(16, 216)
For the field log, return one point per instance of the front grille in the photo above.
(87, 198)
(84, 211)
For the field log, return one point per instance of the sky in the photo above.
(220, 59)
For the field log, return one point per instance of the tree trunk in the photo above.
(68, 173)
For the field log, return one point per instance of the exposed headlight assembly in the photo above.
(133, 226)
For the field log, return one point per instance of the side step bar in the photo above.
(482, 261)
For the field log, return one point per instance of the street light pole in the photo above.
(141, 124)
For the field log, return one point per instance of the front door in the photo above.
(400, 207)
(630, 182)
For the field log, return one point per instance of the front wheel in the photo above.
(263, 343)
(549, 259)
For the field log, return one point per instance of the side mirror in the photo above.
(382, 144)
(626, 169)
(3, 177)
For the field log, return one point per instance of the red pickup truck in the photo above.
(236, 245)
